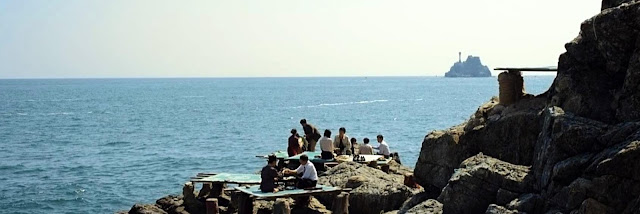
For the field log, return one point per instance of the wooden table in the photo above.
(511, 84)
(217, 182)
(538, 69)
(250, 193)
(279, 155)
(227, 178)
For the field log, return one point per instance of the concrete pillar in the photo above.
(341, 203)
(245, 204)
(212, 205)
(511, 87)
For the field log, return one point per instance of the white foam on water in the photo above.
(339, 104)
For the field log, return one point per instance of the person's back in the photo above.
(326, 145)
(311, 134)
(366, 149)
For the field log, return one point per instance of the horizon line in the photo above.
(237, 77)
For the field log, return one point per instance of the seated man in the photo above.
(269, 175)
(341, 142)
(309, 175)
(326, 145)
(383, 147)
(365, 149)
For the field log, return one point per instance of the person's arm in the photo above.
(274, 173)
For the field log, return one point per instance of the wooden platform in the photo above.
(279, 155)
(314, 157)
(255, 192)
(228, 178)
(538, 69)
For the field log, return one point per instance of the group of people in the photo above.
(306, 172)
(340, 145)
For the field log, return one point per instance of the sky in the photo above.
(279, 38)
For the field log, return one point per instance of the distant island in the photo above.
(472, 67)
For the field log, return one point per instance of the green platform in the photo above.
(278, 154)
(314, 157)
(255, 191)
(229, 178)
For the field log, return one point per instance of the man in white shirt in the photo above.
(309, 175)
(383, 148)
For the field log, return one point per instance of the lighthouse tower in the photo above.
(459, 56)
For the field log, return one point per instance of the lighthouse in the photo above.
(459, 56)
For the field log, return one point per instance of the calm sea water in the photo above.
(101, 145)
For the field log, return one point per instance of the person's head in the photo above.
(380, 138)
(342, 131)
(294, 131)
(327, 133)
(353, 140)
(365, 140)
(303, 122)
(303, 159)
(272, 160)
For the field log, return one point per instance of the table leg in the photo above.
(341, 204)
(245, 205)
(212, 205)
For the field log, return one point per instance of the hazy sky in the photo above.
(235, 38)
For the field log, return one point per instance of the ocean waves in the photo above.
(340, 104)
(353, 103)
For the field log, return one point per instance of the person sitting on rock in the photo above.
(341, 142)
(354, 146)
(365, 149)
(269, 175)
(326, 146)
(383, 147)
(306, 171)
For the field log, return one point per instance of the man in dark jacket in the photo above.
(269, 175)
(311, 133)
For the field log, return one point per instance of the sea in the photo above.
(102, 145)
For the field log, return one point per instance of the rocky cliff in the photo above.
(472, 67)
(574, 149)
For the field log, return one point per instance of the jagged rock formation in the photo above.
(574, 149)
(472, 67)
(373, 190)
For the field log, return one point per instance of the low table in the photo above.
(250, 193)
(218, 181)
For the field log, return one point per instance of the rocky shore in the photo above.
(572, 149)
(373, 191)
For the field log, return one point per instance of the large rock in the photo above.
(599, 74)
(475, 185)
(374, 191)
(507, 133)
(427, 207)
(495, 209)
(146, 209)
